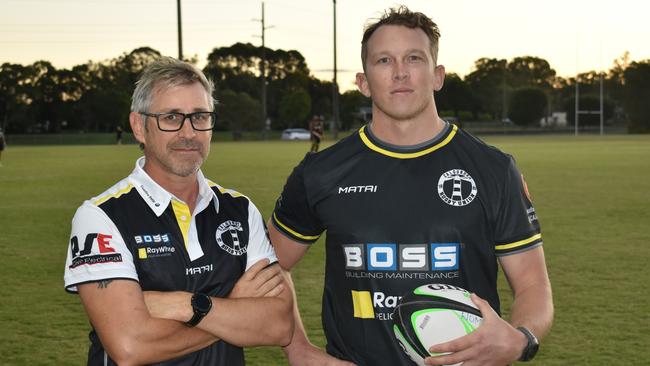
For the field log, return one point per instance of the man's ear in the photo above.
(362, 84)
(137, 126)
(438, 77)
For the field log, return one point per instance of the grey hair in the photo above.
(165, 73)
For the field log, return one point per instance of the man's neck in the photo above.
(185, 188)
(406, 132)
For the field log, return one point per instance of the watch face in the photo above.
(201, 303)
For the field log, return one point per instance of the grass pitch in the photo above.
(591, 195)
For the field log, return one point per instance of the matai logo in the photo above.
(457, 188)
(231, 243)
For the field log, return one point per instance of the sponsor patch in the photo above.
(96, 249)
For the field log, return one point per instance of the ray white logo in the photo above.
(373, 305)
(457, 188)
(231, 243)
(358, 189)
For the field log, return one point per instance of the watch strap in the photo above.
(532, 346)
(199, 313)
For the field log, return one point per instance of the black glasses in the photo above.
(173, 121)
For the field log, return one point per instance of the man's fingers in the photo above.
(269, 285)
(454, 345)
(449, 359)
(267, 273)
(483, 306)
(252, 272)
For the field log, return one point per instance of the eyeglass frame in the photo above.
(185, 116)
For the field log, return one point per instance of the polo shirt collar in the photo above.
(158, 198)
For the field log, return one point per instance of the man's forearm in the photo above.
(248, 321)
(533, 309)
(161, 340)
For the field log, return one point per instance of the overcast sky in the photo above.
(572, 35)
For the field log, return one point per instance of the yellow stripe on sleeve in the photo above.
(518, 243)
(294, 233)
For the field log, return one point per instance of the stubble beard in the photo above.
(183, 166)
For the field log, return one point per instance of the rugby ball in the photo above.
(433, 314)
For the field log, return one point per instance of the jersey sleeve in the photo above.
(96, 250)
(259, 245)
(517, 228)
(293, 215)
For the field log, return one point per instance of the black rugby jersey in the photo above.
(136, 230)
(397, 218)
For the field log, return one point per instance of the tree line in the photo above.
(95, 96)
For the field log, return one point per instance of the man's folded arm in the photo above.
(129, 334)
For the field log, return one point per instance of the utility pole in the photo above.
(602, 108)
(577, 117)
(263, 72)
(335, 87)
(180, 30)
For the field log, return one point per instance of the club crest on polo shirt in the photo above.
(231, 237)
(457, 188)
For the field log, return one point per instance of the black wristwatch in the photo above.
(531, 348)
(201, 304)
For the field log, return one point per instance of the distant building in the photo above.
(556, 119)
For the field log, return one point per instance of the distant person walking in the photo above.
(3, 144)
(316, 131)
(119, 132)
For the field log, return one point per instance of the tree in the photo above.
(488, 82)
(238, 112)
(294, 109)
(351, 102)
(14, 97)
(637, 95)
(529, 71)
(455, 95)
(588, 103)
(527, 106)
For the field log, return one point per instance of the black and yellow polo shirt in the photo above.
(399, 217)
(138, 231)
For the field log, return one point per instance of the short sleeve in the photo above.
(259, 245)
(517, 227)
(293, 214)
(96, 250)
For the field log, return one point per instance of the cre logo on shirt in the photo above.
(231, 243)
(402, 257)
(85, 255)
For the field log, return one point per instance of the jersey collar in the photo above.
(407, 152)
(158, 198)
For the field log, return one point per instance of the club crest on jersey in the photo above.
(457, 188)
(228, 238)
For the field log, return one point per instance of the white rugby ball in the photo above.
(433, 314)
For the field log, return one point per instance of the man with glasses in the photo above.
(171, 267)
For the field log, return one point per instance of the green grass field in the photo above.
(591, 194)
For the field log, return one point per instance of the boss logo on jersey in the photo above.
(150, 239)
(457, 188)
(96, 249)
(399, 260)
(228, 237)
(373, 305)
